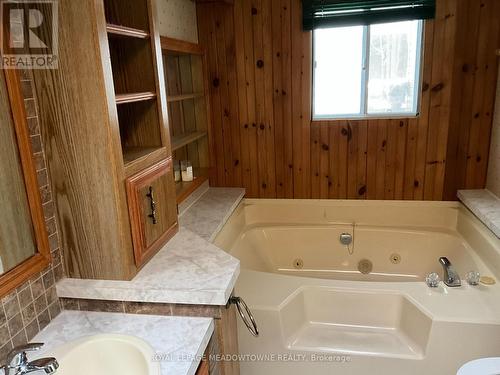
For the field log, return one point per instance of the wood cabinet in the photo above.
(103, 116)
(203, 368)
(152, 215)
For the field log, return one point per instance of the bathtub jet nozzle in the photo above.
(346, 239)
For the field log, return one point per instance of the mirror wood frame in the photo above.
(40, 260)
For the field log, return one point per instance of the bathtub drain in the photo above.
(365, 266)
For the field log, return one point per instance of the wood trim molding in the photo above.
(18, 275)
(180, 46)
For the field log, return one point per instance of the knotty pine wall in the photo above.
(263, 137)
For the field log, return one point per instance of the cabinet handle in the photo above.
(151, 196)
(246, 315)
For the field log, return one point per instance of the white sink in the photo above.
(105, 355)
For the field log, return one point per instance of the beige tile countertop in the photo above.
(188, 270)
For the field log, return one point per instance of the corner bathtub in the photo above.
(313, 295)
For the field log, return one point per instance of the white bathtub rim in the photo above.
(466, 304)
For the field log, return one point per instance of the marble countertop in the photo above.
(485, 205)
(180, 342)
(207, 216)
(188, 270)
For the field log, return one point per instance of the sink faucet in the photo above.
(451, 277)
(17, 361)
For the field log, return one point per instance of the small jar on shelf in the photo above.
(187, 171)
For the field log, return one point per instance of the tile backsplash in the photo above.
(28, 309)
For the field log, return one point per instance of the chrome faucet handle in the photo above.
(17, 357)
(47, 365)
(451, 277)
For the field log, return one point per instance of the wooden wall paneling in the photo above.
(441, 89)
(258, 66)
(362, 159)
(208, 38)
(464, 72)
(448, 50)
(269, 125)
(315, 157)
(225, 111)
(232, 92)
(352, 160)
(423, 118)
(390, 159)
(488, 106)
(408, 158)
(244, 126)
(334, 161)
(306, 90)
(381, 159)
(371, 159)
(436, 87)
(469, 12)
(248, 13)
(296, 77)
(278, 98)
(399, 163)
(484, 89)
(286, 67)
(343, 139)
(324, 162)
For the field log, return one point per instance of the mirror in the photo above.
(16, 231)
(24, 248)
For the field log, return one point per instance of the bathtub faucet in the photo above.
(451, 277)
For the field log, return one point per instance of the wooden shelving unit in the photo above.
(118, 171)
(134, 97)
(187, 98)
(117, 30)
(185, 139)
(132, 54)
(185, 189)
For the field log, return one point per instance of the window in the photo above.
(367, 71)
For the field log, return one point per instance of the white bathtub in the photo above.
(316, 299)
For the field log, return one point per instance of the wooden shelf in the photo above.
(185, 189)
(185, 139)
(175, 46)
(135, 97)
(137, 158)
(178, 98)
(126, 31)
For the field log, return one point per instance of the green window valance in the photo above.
(331, 13)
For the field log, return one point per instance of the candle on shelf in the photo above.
(187, 171)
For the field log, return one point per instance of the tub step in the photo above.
(348, 339)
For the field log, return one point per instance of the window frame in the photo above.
(365, 78)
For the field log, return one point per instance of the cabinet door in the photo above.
(203, 369)
(152, 209)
